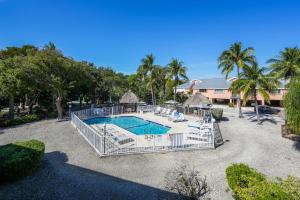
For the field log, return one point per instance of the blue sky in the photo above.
(119, 33)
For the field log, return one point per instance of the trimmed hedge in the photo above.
(20, 159)
(248, 184)
(217, 113)
(21, 120)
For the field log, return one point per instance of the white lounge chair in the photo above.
(167, 113)
(163, 111)
(157, 110)
(178, 118)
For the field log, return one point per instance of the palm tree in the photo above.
(287, 64)
(176, 74)
(147, 71)
(251, 82)
(236, 57)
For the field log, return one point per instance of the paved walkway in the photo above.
(73, 171)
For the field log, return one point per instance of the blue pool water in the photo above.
(135, 125)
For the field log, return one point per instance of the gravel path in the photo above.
(73, 171)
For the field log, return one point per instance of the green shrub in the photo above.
(20, 159)
(248, 184)
(291, 185)
(21, 120)
(263, 190)
(242, 176)
(52, 115)
(40, 113)
(230, 104)
(30, 118)
(217, 113)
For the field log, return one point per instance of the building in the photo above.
(217, 90)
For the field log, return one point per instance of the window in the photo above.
(202, 90)
(219, 91)
(275, 91)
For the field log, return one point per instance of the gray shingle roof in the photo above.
(213, 83)
(184, 86)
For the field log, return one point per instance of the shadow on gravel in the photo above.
(296, 146)
(57, 179)
(225, 119)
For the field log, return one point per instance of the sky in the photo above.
(119, 33)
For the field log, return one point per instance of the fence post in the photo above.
(104, 138)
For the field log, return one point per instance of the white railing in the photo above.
(147, 108)
(105, 143)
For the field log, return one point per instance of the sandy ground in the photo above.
(72, 170)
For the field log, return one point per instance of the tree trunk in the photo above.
(23, 102)
(58, 106)
(175, 93)
(80, 102)
(152, 93)
(11, 113)
(32, 101)
(239, 96)
(256, 109)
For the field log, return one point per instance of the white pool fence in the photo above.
(105, 143)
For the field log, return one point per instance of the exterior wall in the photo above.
(211, 94)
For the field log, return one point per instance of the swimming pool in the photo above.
(133, 124)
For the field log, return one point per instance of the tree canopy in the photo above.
(45, 77)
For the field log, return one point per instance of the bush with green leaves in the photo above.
(217, 113)
(248, 184)
(241, 176)
(21, 120)
(20, 159)
(292, 105)
(187, 182)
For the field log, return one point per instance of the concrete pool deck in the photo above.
(176, 127)
(72, 170)
(159, 139)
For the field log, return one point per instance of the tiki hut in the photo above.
(129, 101)
(197, 104)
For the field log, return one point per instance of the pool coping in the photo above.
(126, 129)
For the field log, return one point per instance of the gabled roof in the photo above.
(214, 83)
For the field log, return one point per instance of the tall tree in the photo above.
(287, 64)
(236, 57)
(53, 72)
(292, 104)
(251, 82)
(11, 62)
(176, 74)
(147, 71)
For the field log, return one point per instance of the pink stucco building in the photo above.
(217, 90)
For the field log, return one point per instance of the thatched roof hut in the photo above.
(197, 100)
(129, 98)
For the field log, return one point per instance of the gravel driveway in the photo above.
(72, 170)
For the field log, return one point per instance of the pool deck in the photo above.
(150, 140)
(176, 127)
